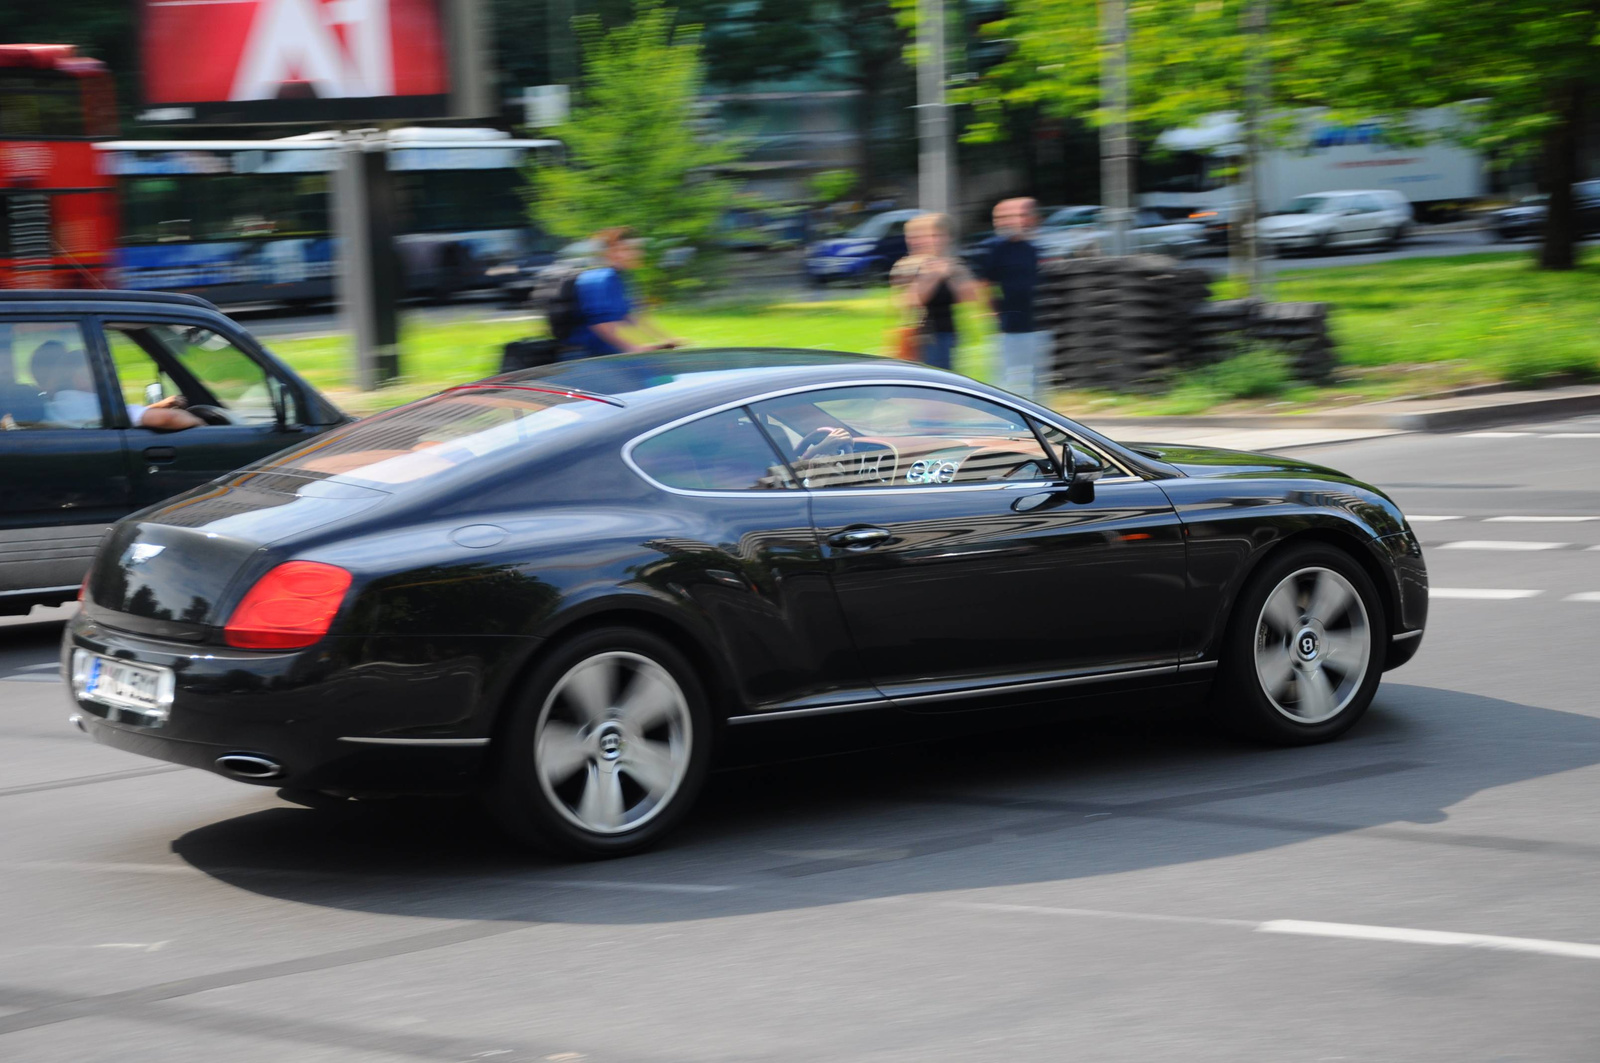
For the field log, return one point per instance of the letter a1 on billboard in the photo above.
(222, 62)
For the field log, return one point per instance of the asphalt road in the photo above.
(1135, 889)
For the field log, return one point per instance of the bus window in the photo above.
(40, 103)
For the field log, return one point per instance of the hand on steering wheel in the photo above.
(824, 442)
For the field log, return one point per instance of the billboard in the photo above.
(242, 61)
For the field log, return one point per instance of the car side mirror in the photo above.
(1082, 466)
(152, 394)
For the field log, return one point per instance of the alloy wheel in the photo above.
(1313, 645)
(613, 742)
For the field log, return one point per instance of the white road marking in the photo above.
(640, 887)
(1485, 594)
(1418, 519)
(1572, 435)
(1500, 544)
(1354, 931)
(1530, 519)
(1583, 596)
(1409, 936)
(1494, 435)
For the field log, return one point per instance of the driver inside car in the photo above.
(70, 398)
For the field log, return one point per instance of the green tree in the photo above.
(633, 154)
(1520, 71)
(1523, 72)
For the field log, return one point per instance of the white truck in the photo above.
(1319, 155)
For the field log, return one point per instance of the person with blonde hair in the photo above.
(930, 283)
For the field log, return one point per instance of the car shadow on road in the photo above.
(1059, 802)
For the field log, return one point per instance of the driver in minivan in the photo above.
(69, 396)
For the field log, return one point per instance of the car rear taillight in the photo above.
(290, 607)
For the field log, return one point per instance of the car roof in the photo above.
(88, 295)
(701, 378)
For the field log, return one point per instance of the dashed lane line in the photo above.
(1500, 544)
(1539, 519)
(1583, 596)
(1485, 594)
(1418, 518)
(1352, 931)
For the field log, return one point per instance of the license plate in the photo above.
(140, 688)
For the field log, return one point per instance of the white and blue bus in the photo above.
(242, 221)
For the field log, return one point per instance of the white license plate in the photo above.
(142, 688)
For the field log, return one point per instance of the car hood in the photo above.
(1216, 462)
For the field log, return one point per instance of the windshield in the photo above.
(448, 431)
(874, 227)
(1312, 205)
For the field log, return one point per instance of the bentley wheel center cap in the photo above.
(1307, 645)
(609, 739)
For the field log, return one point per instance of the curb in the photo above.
(1537, 406)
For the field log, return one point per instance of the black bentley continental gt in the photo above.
(566, 588)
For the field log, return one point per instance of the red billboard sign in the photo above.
(294, 60)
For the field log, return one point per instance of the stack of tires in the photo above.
(1217, 328)
(1300, 330)
(1119, 324)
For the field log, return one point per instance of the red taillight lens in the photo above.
(289, 607)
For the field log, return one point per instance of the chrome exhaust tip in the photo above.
(249, 766)
(76, 720)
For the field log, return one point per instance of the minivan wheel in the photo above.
(607, 749)
(1304, 650)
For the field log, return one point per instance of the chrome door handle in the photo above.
(858, 538)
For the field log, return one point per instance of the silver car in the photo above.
(1078, 230)
(1325, 221)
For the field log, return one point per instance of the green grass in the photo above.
(436, 354)
(1411, 326)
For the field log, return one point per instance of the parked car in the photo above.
(1521, 219)
(1075, 230)
(867, 252)
(1325, 221)
(568, 588)
(74, 460)
(1526, 216)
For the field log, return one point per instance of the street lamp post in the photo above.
(933, 118)
(1116, 154)
(1257, 72)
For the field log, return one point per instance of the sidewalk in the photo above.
(1449, 413)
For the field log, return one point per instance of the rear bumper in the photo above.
(393, 715)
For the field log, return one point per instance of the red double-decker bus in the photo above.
(57, 211)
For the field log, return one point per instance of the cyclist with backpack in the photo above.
(590, 309)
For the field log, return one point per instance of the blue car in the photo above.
(866, 252)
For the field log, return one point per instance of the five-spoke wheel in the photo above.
(1304, 651)
(607, 748)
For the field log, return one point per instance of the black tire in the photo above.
(546, 816)
(1240, 699)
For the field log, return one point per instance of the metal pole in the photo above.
(365, 283)
(1257, 73)
(558, 28)
(933, 157)
(1116, 150)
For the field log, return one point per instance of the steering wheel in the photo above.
(843, 444)
(213, 414)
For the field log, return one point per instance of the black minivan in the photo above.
(76, 370)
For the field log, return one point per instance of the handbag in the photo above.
(905, 343)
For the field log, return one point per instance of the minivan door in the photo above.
(250, 410)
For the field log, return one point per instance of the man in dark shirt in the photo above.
(1010, 263)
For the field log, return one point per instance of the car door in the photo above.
(255, 411)
(64, 474)
(959, 558)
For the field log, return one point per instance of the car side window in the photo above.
(902, 437)
(46, 378)
(158, 361)
(1056, 439)
(721, 452)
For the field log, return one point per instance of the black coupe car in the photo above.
(565, 587)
